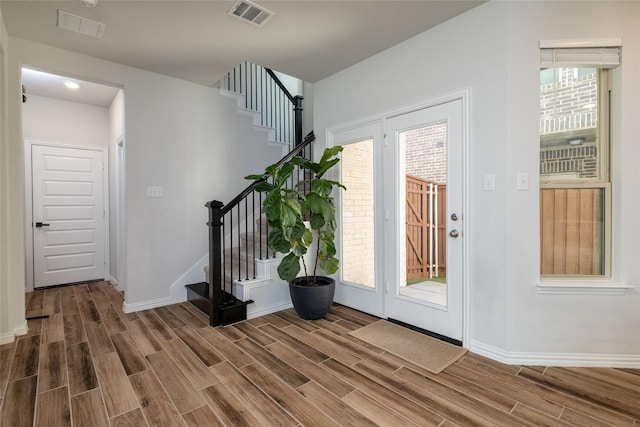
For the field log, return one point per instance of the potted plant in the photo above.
(295, 217)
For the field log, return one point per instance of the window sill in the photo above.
(593, 287)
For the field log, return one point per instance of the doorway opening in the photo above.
(65, 113)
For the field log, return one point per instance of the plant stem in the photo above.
(315, 266)
(304, 265)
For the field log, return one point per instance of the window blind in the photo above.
(578, 53)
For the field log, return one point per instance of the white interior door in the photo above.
(427, 145)
(68, 215)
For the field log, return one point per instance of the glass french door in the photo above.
(424, 184)
(401, 219)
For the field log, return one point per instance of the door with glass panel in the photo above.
(424, 245)
(360, 283)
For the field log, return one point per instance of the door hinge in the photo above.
(386, 287)
(103, 213)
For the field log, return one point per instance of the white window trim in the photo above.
(577, 285)
(585, 285)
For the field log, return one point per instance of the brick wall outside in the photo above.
(357, 214)
(567, 105)
(426, 152)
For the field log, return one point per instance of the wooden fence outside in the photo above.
(571, 231)
(426, 228)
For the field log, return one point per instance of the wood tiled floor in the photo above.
(90, 364)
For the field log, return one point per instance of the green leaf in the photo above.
(289, 267)
(321, 186)
(325, 166)
(256, 177)
(327, 248)
(290, 211)
(316, 203)
(329, 265)
(329, 152)
(277, 242)
(307, 237)
(284, 173)
(264, 187)
(272, 170)
(317, 221)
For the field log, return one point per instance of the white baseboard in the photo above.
(556, 359)
(146, 305)
(262, 311)
(9, 337)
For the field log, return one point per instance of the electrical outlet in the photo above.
(155, 191)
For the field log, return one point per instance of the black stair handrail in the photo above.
(297, 105)
(221, 289)
(265, 93)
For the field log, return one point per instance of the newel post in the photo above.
(297, 109)
(215, 260)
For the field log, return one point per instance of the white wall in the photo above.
(12, 262)
(582, 324)
(65, 122)
(179, 135)
(493, 50)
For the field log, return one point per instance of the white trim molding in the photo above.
(556, 359)
(582, 288)
(145, 305)
(10, 337)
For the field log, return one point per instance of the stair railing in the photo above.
(227, 224)
(265, 93)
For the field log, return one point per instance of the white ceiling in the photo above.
(199, 42)
(53, 86)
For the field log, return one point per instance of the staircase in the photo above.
(241, 277)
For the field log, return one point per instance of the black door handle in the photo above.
(41, 224)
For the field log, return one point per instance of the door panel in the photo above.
(68, 215)
(421, 227)
(360, 285)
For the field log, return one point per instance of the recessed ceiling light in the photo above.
(72, 85)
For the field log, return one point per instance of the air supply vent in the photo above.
(78, 24)
(250, 12)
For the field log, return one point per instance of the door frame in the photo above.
(464, 96)
(28, 191)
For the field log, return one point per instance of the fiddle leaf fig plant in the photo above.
(287, 209)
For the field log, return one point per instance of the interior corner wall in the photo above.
(494, 50)
(469, 51)
(12, 263)
(182, 136)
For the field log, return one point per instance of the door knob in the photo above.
(41, 224)
(454, 217)
(454, 233)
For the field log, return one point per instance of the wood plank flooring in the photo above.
(90, 364)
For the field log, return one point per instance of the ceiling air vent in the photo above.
(250, 12)
(78, 24)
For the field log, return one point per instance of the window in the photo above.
(575, 176)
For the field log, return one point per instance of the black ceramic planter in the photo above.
(312, 302)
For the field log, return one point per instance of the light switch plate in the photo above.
(522, 181)
(155, 191)
(488, 182)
